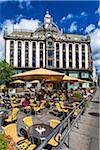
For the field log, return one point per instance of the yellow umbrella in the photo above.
(84, 81)
(40, 74)
(17, 82)
(34, 81)
(70, 79)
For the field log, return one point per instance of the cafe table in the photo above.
(39, 132)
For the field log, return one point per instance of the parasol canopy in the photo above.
(34, 81)
(70, 79)
(84, 81)
(40, 74)
(17, 82)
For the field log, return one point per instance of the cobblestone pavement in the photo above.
(87, 137)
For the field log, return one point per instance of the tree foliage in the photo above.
(6, 72)
(3, 142)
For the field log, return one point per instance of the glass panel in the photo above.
(64, 46)
(49, 62)
(41, 45)
(50, 53)
(57, 46)
(34, 45)
(70, 46)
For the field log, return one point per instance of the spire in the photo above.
(5, 30)
(47, 19)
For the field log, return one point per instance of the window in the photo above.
(57, 64)
(34, 54)
(19, 54)
(83, 64)
(64, 46)
(49, 62)
(41, 46)
(34, 45)
(83, 56)
(77, 55)
(64, 59)
(70, 47)
(26, 45)
(77, 64)
(57, 46)
(70, 64)
(70, 55)
(12, 52)
(76, 47)
(41, 54)
(49, 44)
(41, 63)
(34, 59)
(50, 53)
(26, 62)
(84, 75)
(83, 47)
(57, 54)
(26, 54)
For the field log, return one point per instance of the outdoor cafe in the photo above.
(41, 119)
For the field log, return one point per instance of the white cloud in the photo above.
(95, 45)
(63, 19)
(90, 28)
(21, 3)
(29, 24)
(69, 16)
(18, 17)
(99, 23)
(83, 13)
(23, 24)
(98, 10)
(73, 27)
(1, 45)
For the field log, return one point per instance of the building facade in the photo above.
(49, 47)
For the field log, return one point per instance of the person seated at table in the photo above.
(26, 102)
(62, 96)
(56, 98)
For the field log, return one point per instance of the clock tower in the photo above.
(47, 20)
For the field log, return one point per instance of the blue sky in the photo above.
(79, 17)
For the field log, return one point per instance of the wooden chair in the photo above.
(11, 130)
(13, 115)
(54, 123)
(28, 121)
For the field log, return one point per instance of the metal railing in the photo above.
(68, 124)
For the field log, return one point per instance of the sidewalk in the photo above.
(87, 136)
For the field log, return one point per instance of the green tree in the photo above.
(3, 142)
(6, 72)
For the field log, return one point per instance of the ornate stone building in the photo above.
(49, 47)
